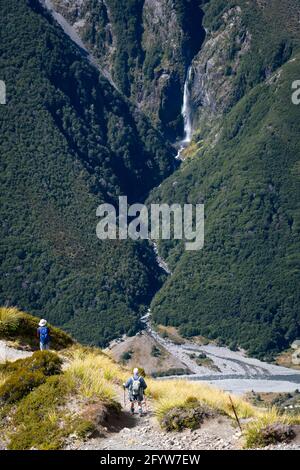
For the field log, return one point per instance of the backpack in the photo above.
(136, 387)
(44, 335)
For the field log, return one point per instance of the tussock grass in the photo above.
(9, 319)
(168, 394)
(89, 375)
(253, 431)
(95, 373)
(3, 377)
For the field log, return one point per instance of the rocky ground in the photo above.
(145, 434)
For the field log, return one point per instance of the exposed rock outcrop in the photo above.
(212, 85)
(146, 46)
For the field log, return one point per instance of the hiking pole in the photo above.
(235, 413)
(145, 401)
(124, 396)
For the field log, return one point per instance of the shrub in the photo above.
(170, 372)
(269, 428)
(202, 355)
(190, 415)
(270, 434)
(126, 356)
(38, 421)
(277, 433)
(155, 351)
(20, 384)
(27, 374)
(46, 362)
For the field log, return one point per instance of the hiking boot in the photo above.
(140, 412)
(132, 411)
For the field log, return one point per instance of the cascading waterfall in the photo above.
(186, 114)
(186, 111)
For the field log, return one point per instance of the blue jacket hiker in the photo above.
(136, 386)
(43, 335)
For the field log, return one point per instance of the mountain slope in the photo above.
(146, 45)
(243, 287)
(69, 142)
(68, 396)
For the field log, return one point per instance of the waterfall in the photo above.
(186, 114)
(185, 110)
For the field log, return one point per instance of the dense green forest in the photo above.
(69, 141)
(243, 287)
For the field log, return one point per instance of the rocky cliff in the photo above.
(146, 46)
(212, 84)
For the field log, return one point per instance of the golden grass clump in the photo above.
(95, 373)
(9, 318)
(253, 430)
(168, 394)
(3, 377)
(19, 326)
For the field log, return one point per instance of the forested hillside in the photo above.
(70, 141)
(243, 287)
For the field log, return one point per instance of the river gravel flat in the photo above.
(232, 370)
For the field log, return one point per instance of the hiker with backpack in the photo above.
(136, 386)
(43, 335)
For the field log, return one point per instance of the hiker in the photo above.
(43, 335)
(136, 386)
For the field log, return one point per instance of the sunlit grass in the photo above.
(89, 373)
(95, 373)
(3, 377)
(168, 394)
(253, 430)
(9, 318)
(53, 417)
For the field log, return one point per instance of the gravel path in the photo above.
(144, 433)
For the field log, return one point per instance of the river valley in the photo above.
(234, 371)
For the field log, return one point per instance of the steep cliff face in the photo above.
(212, 84)
(91, 20)
(245, 43)
(146, 46)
